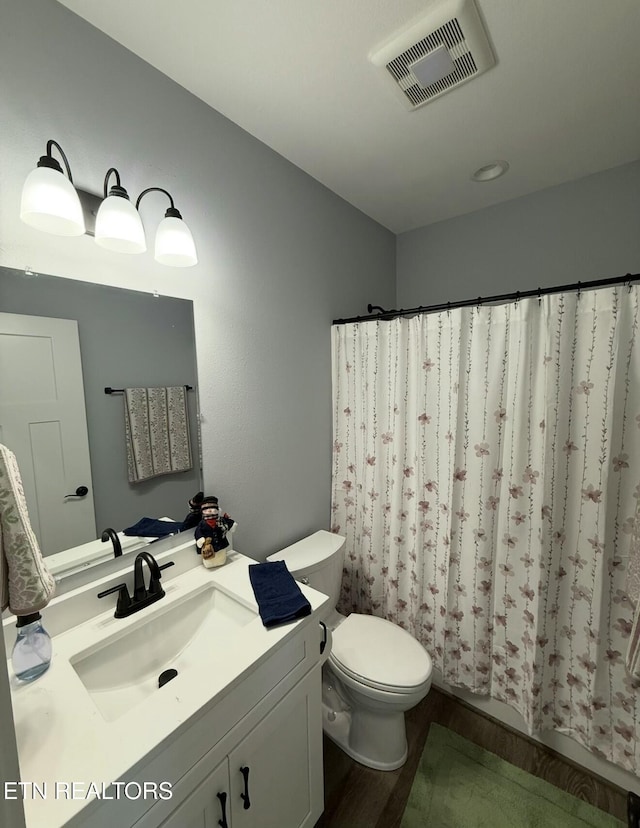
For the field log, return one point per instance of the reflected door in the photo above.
(43, 421)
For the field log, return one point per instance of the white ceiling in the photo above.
(563, 100)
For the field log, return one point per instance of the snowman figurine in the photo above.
(211, 533)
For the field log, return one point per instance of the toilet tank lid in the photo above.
(307, 553)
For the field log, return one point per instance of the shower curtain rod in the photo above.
(381, 313)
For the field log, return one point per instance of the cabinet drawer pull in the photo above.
(245, 796)
(223, 807)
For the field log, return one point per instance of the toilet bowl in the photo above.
(374, 671)
(379, 671)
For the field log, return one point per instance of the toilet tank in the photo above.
(316, 560)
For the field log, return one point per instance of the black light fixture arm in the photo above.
(116, 189)
(171, 211)
(49, 161)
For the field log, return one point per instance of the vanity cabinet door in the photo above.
(282, 762)
(207, 806)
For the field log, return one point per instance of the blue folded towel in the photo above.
(278, 595)
(148, 527)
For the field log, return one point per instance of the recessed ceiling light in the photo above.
(490, 171)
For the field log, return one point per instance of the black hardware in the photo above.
(110, 390)
(633, 810)
(81, 491)
(139, 590)
(172, 212)
(110, 534)
(123, 607)
(323, 643)
(142, 597)
(117, 189)
(245, 796)
(503, 297)
(166, 675)
(49, 161)
(223, 807)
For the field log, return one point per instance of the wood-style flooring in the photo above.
(359, 797)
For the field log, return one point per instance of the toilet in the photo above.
(374, 670)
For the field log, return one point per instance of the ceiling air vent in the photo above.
(443, 49)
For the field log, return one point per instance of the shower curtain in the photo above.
(486, 472)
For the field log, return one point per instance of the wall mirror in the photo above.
(126, 339)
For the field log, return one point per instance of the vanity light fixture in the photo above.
(49, 200)
(118, 223)
(51, 203)
(174, 243)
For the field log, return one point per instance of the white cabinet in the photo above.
(202, 808)
(282, 755)
(251, 699)
(271, 779)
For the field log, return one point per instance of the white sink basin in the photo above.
(123, 670)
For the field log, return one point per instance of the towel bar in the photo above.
(110, 390)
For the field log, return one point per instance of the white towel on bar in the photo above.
(157, 432)
(26, 585)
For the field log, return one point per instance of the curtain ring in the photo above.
(579, 290)
(539, 296)
(517, 296)
(448, 308)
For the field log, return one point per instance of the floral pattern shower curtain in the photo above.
(486, 471)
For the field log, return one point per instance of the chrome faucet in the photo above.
(109, 534)
(142, 596)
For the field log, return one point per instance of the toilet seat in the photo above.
(377, 653)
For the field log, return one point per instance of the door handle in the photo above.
(81, 491)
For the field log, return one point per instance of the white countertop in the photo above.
(62, 736)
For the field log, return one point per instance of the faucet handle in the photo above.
(154, 584)
(124, 599)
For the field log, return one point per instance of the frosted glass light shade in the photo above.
(119, 226)
(50, 203)
(174, 244)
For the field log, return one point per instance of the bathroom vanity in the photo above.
(234, 739)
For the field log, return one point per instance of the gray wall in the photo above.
(585, 229)
(280, 255)
(127, 339)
